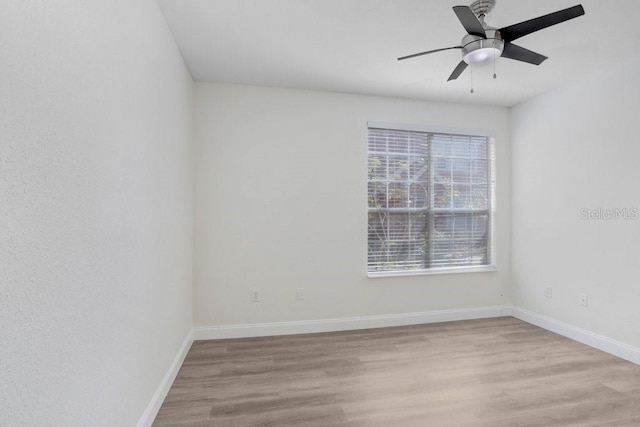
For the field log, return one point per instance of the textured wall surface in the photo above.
(281, 200)
(95, 210)
(575, 158)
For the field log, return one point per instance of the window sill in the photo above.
(449, 270)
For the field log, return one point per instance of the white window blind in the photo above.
(430, 200)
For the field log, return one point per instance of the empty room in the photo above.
(319, 213)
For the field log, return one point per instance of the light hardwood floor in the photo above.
(490, 372)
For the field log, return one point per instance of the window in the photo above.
(430, 201)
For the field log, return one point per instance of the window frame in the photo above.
(491, 266)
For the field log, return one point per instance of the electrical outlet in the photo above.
(255, 295)
(299, 293)
(583, 300)
(548, 292)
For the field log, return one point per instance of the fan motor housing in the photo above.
(477, 50)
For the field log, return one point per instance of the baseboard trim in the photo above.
(608, 345)
(149, 415)
(351, 323)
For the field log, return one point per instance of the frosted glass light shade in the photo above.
(481, 56)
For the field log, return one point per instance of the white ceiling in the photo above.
(352, 45)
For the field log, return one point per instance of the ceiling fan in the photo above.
(484, 44)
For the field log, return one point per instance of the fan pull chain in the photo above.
(494, 65)
(471, 75)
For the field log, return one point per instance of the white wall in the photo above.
(577, 148)
(95, 210)
(281, 203)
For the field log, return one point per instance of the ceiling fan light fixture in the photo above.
(480, 51)
(482, 56)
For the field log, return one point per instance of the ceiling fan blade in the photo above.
(469, 21)
(515, 31)
(428, 52)
(459, 69)
(518, 53)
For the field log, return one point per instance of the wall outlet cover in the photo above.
(584, 301)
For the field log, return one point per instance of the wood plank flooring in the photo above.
(490, 372)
